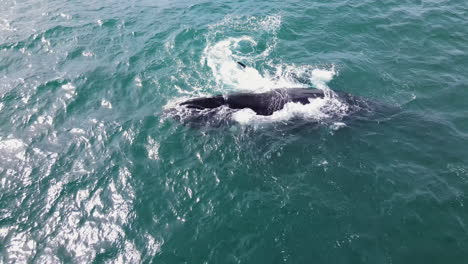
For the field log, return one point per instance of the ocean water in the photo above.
(94, 170)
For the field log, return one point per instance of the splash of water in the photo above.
(221, 56)
(222, 60)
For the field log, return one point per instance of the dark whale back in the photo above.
(261, 103)
(216, 110)
(205, 102)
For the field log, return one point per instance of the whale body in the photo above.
(325, 104)
(219, 109)
(267, 103)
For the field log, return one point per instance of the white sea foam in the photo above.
(66, 16)
(138, 82)
(153, 149)
(230, 75)
(221, 56)
(87, 54)
(337, 125)
(106, 104)
(69, 90)
(12, 147)
(318, 109)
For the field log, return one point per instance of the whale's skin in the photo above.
(263, 103)
(218, 110)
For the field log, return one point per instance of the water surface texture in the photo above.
(94, 170)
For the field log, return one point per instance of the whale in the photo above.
(264, 104)
(336, 106)
(222, 106)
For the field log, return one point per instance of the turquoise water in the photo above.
(93, 170)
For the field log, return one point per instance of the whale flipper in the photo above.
(242, 64)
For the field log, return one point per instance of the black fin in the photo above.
(205, 102)
(241, 64)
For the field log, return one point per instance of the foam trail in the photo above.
(222, 60)
(221, 56)
(223, 64)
